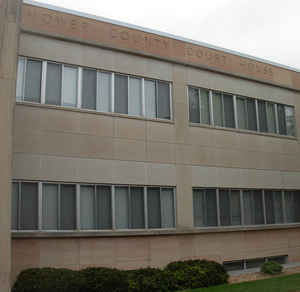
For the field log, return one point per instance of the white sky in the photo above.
(268, 29)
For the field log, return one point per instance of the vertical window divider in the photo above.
(43, 82)
(283, 206)
(235, 112)
(19, 205)
(97, 91)
(95, 208)
(143, 98)
(218, 207)
(257, 116)
(79, 87)
(246, 111)
(161, 215)
(40, 206)
(267, 116)
(211, 112)
(264, 207)
(24, 78)
(175, 206)
(113, 200)
(223, 110)
(129, 208)
(171, 101)
(112, 99)
(276, 119)
(62, 82)
(78, 206)
(156, 98)
(242, 208)
(128, 93)
(146, 207)
(199, 98)
(59, 207)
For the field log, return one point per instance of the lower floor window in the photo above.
(53, 206)
(229, 207)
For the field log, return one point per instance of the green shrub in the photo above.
(271, 268)
(176, 276)
(48, 280)
(104, 279)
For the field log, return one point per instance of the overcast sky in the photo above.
(267, 29)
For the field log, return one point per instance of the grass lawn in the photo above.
(289, 283)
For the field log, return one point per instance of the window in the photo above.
(292, 204)
(72, 86)
(271, 117)
(33, 81)
(281, 119)
(90, 207)
(274, 208)
(262, 115)
(246, 113)
(205, 207)
(253, 207)
(230, 207)
(290, 120)
(25, 206)
(160, 207)
(59, 207)
(199, 105)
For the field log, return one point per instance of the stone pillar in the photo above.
(9, 34)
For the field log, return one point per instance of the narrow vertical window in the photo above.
(281, 119)
(87, 207)
(68, 207)
(53, 84)
(104, 207)
(135, 96)
(194, 114)
(50, 207)
(33, 81)
(271, 117)
(29, 206)
(20, 78)
(89, 88)
(167, 208)
(253, 207)
(262, 115)
(205, 207)
(290, 121)
(15, 207)
(241, 113)
(69, 86)
(230, 211)
(274, 210)
(228, 111)
(150, 99)
(163, 100)
(121, 94)
(153, 202)
(204, 106)
(251, 114)
(137, 215)
(122, 207)
(104, 92)
(292, 205)
(218, 109)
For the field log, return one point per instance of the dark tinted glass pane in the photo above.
(121, 94)
(233, 266)
(53, 84)
(163, 100)
(251, 112)
(89, 88)
(137, 207)
(235, 208)
(15, 206)
(274, 211)
(154, 213)
(194, 105)
(217, 109)
(87, 207)
(229, 111)
(254, 263)
(204, 106)
(68, 207)
(224, 197)
(211, 205)
(199, 207)
(262, 114)
(50, 207)
(258, 207)
(29, 206)
(104, 207)
(33, 81)
(122, 207)
(281, 119)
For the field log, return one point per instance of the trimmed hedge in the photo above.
(271, 268)
(175, 276)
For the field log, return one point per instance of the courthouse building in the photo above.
(126, 147)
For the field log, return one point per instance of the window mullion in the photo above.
(235, 112)
(40, 206)
(211, 108)
(143, 98)
(98, 91)
(242, 208)
(78, 206)
(112, 98)
(161, 214)
(59, 206)
(62, 84)
(218, 207)
(43, 82)
(264, 207)
(79, 87)
(128, 94)
(19, 204)
(113, 201)
(283, 206)
(276, 118)
(171, 101)
(199, 98)
(129, 209)
(146, 207)
(257, 116)
(156, 98)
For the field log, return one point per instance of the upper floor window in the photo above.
(232, 111)
(72, 86)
